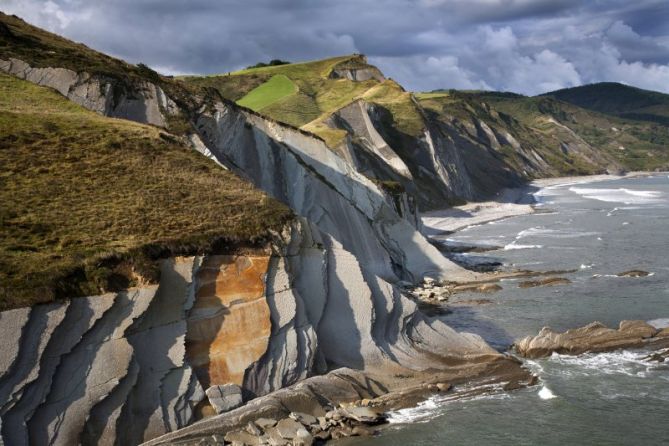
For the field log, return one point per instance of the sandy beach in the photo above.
(508, 203)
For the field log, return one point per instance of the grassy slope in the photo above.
(40, 48)
(276, 88)
(85, 199)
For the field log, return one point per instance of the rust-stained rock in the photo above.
(594, 337)
(229, 324)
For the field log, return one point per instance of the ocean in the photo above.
(598, 229)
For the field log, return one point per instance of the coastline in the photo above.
(384, 392)
(508, 203)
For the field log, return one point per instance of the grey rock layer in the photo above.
(145, 102)
(100, 370)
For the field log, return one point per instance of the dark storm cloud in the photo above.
(528, 46)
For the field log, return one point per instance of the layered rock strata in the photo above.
(594, 337)
(145, 102)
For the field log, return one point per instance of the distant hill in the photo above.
(617, 99)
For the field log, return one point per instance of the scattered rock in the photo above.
(444, 387)
(275, 438)
(303, 418)
(264, 423)
(225, 397)
(548, 281)
(253, 429)
(341, 432)
(242, 437)
(303, 438)
(634, 273)
(365, 415)
(594, 337)
(361, 431)
(322, 435)
(288, 428)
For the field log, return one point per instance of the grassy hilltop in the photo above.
(305, 94)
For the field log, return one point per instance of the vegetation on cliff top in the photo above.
(87, 203)
(616, 99)
(316, 96)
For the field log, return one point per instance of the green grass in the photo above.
(88, 203)
(276, 88)
(265, 90)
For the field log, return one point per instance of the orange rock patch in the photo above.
(229, 324)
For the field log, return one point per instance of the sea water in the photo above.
(598, 230)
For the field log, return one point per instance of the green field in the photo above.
(89, 203)
(276, 88)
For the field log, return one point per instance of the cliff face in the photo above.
(145, 102)
(125, 368)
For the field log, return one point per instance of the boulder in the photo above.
(225, 398)
(264, 423)
(289, 428)
(303, 418)
(365, 415)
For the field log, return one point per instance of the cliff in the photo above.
(263, 312)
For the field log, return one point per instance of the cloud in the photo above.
(528, 46)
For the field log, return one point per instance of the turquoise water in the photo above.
(599, 229)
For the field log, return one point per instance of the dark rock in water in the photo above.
(471, 302)
(594, 337)
(634, 273)
(480, 288)
(548, 281)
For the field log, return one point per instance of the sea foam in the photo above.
(621, 195)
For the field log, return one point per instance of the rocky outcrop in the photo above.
(356, 69)
(594, 337)
(125, 368)
(301, 171)
(142, 102)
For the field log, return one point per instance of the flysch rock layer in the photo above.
(146, 103)
(318, 184)
(122, 375)
(125, 368)
(101, 370)
(594, 337)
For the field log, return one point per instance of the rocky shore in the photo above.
(347, 402)
(593, 338)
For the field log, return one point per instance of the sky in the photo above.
(524, 46)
